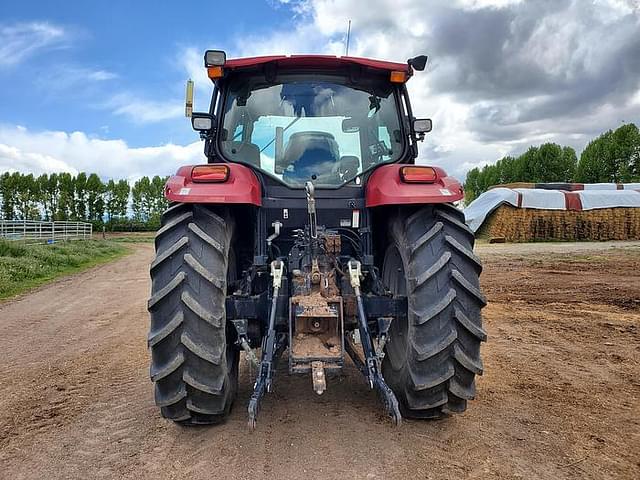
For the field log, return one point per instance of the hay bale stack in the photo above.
(528, 224)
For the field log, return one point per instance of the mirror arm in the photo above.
(419, 136)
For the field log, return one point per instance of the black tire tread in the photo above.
(444, 330)
(192, 367)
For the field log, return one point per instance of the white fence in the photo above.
(35, 231)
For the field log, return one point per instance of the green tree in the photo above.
(158, 201)
(95, 198)
(79, 211)
(626, 153)
(591, 166)
(471, 187)
(116, 199)
(8, 189)
(26, 195)
(549, 162)
(66, 188)
(507, 169)
(569, 164)
(139, 199)
(148, 200)
(612, 157)
(49, 193)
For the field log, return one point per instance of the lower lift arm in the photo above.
(372, 366)
(270, 348)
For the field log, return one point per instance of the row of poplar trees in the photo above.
(613, 157)
(83, 197)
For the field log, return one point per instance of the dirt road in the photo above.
(559, 399)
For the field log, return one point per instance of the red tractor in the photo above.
(311, 230)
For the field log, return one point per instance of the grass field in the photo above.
(133, 238)
(23, 267)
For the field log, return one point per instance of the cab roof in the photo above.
(317, 61)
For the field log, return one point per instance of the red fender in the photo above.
(385, 187)
(242, 187)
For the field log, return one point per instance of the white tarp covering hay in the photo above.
(581, 213)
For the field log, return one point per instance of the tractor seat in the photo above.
(242, 152)
(307, 154)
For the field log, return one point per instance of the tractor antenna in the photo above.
(346, 53)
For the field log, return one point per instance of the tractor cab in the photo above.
(322, 119)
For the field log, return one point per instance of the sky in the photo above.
(99, 86)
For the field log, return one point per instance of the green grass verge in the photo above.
(23, 267)
(134, 239)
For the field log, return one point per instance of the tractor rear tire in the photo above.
(194, 366)
(433, 356)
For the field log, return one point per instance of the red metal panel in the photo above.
(241, 187)
(385, 187)
(320, 61)
(234, 63)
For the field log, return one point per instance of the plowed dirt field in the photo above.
(560, 397)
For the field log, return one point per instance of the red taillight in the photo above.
(415, 174)
(210, 173)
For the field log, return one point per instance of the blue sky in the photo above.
(99, 85)
(100, 57)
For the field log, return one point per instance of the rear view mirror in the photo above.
(418, 63)
(423, 125)
(202, 122)
(350, 125)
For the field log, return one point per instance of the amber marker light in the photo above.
(210, 173)
(215, 72)
(398, 76)
(418, 174)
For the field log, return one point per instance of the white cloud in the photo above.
(479, 99)
(16, 160)
(73, 79)
(141, 111)
(21, 40)
(101, 75)
(90, 84)
(55, 151)
(488, 113)
(476, 4)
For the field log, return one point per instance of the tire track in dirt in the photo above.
(560, 397)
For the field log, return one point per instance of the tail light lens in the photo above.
(210, 173)
(414, 174)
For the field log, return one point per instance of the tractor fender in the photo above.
(385, 187)
(242, 186)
